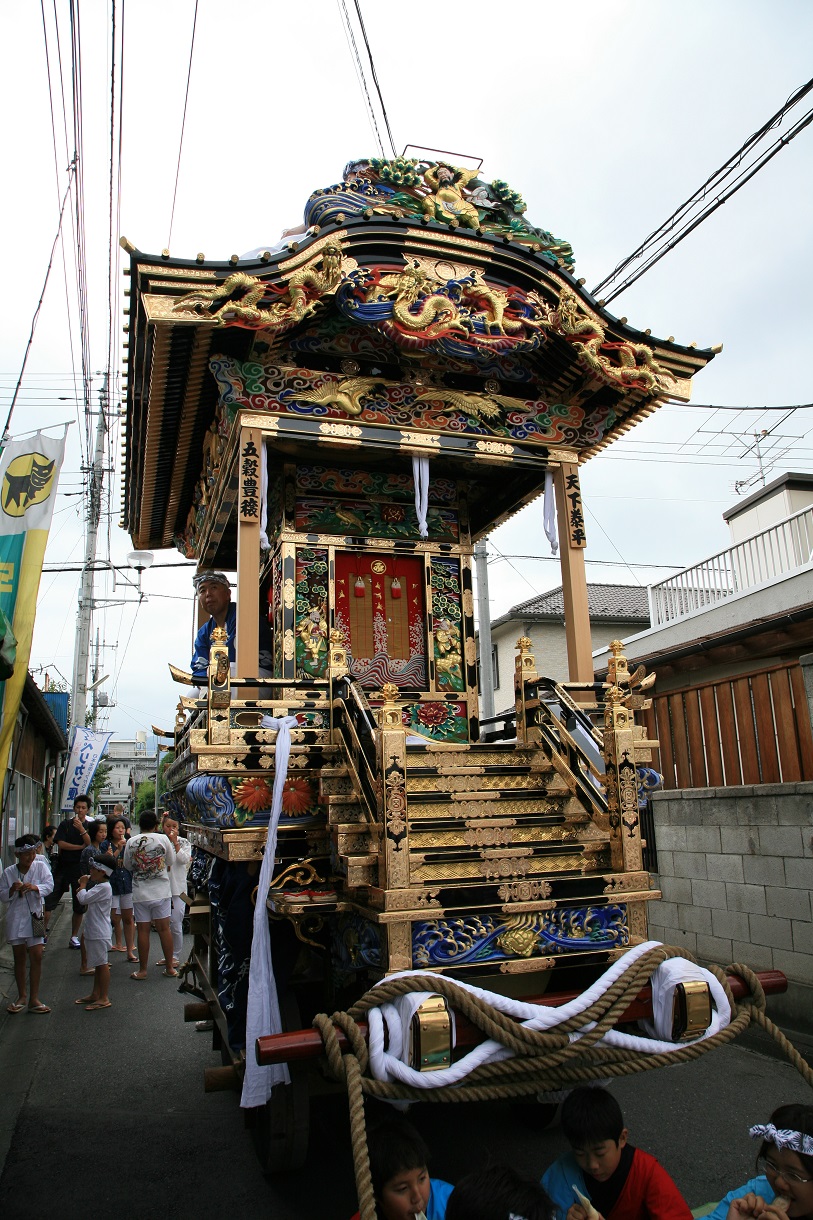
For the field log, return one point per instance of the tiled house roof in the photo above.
(606, 602)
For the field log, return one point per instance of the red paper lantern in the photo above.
(358, 587)
(395, 588)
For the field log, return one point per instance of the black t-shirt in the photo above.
(66, 832)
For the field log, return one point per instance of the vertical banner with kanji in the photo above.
(576, 536)
(29, 473)
(86, 749)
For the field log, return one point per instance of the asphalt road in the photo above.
(105, 1112)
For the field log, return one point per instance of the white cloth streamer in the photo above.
(262, 1015)
(265, 545)
(549, 513)
(391, 1020)
(420, 475)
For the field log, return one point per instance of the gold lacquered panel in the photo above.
(498, 868)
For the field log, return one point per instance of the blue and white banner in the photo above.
(87, 748)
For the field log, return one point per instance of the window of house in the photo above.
(495, 666)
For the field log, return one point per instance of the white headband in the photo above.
(18, 851)
(795, 1141)
(103, 868)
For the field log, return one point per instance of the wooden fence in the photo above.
(753, 729)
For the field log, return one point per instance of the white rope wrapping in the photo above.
(391, 1020)
(420, 475)
(549, 513)
(262, 1013)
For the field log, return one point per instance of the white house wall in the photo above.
(549, 647)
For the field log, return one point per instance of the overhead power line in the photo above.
(604, 563)
(715, 406)
(362, 78)
(183, 123)
(686, 218)
(39, 307)
(375, 76)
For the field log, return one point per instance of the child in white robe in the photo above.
(98, 901)
(24, 886)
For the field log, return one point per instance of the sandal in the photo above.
(17, 1006)
(170, 974)
(132, 959)
(38, 1008)
(85, 999)
(139, 978)
(98, 1004)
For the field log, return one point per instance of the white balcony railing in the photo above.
(783, 548)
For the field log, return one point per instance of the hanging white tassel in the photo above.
(549, 513)
(420, 475)
(262, 1013)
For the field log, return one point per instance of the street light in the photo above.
(139, 561)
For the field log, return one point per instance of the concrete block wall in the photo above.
(735, 866)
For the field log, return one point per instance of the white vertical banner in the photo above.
(87, 748)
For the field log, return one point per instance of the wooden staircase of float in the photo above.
(491, 826)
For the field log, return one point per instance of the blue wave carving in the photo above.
(485, 938)
(209, 797)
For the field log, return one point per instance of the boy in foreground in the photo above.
(398, 1170)
(615, 1180)
(97, 901)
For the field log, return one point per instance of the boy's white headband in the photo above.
(103, 868)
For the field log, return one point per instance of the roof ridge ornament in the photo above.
(433, 191)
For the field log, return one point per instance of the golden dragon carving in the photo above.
(636, 363)
(241, 293)
(437, 312)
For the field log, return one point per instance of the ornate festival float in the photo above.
(338, 419)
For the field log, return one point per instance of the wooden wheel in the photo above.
(280, 1128)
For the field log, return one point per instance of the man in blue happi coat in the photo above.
(214, 594)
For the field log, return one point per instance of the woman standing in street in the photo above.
(95, 848)
(122, 883)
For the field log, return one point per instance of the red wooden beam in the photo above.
(307, 1043)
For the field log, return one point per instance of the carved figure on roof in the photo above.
(239, 294)
(435, 191)
(213, 444)
(446, 202)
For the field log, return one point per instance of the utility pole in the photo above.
(484, 629)
(95, 686)
(79, 692)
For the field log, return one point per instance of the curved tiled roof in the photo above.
(605, 602)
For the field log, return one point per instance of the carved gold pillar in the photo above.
(391, 758)
(524, 670)
(621, 782)
(337, 655)
(572, 541)
(219, 693)
(248, 555)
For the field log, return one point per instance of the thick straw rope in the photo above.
(542, 1062)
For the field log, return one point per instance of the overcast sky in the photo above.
(604, 115)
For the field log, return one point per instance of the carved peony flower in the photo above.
(433, 714)
(253, 794)
(297, 797)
